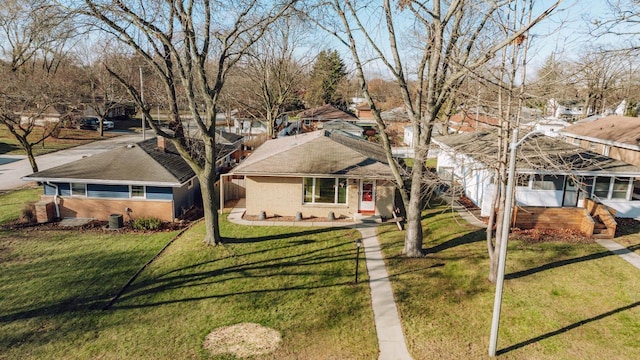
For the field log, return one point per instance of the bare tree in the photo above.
(35, 72)
(451, 40)
(191, 47)
(270, 79)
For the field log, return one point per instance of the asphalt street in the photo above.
(12, 170)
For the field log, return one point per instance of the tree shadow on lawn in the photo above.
(559, 263)
(267, 268)
(567, 328)
(468, 238)
(284, 235)
(6, 148)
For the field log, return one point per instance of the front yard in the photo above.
(55, 283)
(561, 301)
(67, 138)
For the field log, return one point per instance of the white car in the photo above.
(107, 124)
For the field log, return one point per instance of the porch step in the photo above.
(601, 236)
(367, 218)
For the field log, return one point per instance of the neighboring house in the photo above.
(342, 125)
(363, 112)
(147, 179)
(396, 120)
(229, 148)
(469, 121)
(615, 136)
(550, 173)
(569, 110)
(114, 110)
(550, 126)
(312, 118)
(316, 173)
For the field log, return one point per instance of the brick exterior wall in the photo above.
(100, 209)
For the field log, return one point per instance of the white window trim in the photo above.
(144, 191)
(78, 195)
(610, 192)
(335, 192)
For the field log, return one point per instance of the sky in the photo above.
(565, 33)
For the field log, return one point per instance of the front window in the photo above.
(547, 182)
(601, 188)
(635, 194)
(620, 188)
(78, 189)
(137, 191)
(325, 190)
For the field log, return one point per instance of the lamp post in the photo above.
(506, 221)
(358, 246)
(144, 136)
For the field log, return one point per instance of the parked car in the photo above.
(89, 123)
(108, 124)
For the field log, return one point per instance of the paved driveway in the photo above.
(11, 172)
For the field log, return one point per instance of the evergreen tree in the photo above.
(327, 73)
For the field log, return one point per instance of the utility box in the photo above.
(115, 221)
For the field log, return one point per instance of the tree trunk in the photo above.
(32, 159)
(210, 206)
(413, 236)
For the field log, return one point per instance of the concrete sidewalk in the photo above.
(388, 326)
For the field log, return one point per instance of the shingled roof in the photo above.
(140, 163)
(614, 128)
(537, 154)
(318, 153)
(326, 113)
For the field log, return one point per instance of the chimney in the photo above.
(162, 144)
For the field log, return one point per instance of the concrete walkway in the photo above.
(388, 326)
(626, 254)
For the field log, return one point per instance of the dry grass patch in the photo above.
(243, 340)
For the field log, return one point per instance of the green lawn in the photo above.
(561, 301)
(68, 138)
(13, 203)
(299, 281)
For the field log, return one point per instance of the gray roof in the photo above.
(615, 128)
(140, 163)
(539, 154)
(341, 125)
(325, 113)
(318, 153)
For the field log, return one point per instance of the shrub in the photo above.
(146, 223)
(28, 213)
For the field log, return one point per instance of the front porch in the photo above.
(594, 220)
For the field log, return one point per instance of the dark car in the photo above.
(89, 123)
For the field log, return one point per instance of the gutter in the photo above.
(55, 199)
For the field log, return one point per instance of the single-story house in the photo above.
(146, 179)
(550, 173)
(311, 118)
(316, 173)
(342, 125)
(614, 136)
(471, 120)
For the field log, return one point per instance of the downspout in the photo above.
(55, 199)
